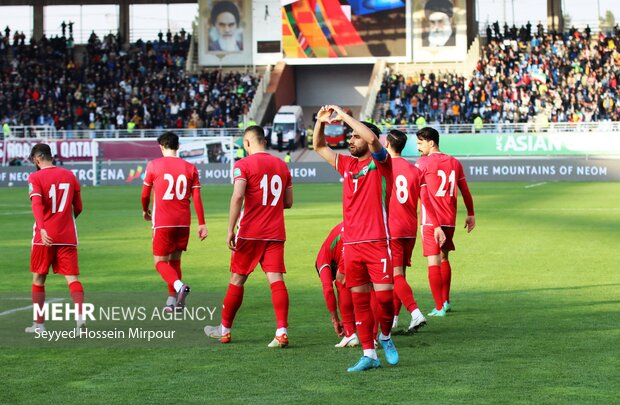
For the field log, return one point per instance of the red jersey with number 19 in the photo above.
(442, 173)
(58, 189)
(404, 201)
(172, 179)
(267, 178)
(365, 198)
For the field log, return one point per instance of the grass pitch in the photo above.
(535, 297)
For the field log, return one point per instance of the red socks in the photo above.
(403, 292)
(176, 265)
(434, 279)
(446, 278)
(38, 297)
(167, 272)
(232, 302)
(345, 304)
(375, 313)
(363, 318)
(385, 306)
(77, 293)
(279, 298)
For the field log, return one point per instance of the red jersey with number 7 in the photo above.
(366, 191)
(58, 189)
(404, 201)
(172, 179)
(267, 177)
(442, 174)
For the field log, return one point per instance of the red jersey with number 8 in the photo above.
(172, 179)
(442, 174)
(267, 178)
(57, 188)
(404, 201)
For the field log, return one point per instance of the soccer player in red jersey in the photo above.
(366, 194)
(173, 181)
(403, 220)
(330, 268)
(442, 174)
(55, 196)
(262, 190)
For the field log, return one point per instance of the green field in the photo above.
(535, 295)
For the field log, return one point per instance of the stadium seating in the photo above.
(521, 77)
(107, 86)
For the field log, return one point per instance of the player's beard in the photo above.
(358, 151)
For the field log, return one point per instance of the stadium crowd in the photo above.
(114, 87)
(522, 76)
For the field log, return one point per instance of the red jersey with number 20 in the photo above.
(58, 189)
(172, 179)
(267, 178)
(404, 201)
(442, 174)
(365, 198)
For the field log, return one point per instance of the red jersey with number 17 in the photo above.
(172, 179)
(404, 200)
(267, 178)
(365, 198)
(58, 189)
(442, 174)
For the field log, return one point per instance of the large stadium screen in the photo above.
(341, 31)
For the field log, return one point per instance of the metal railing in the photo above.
(49, 132)
(44, 132)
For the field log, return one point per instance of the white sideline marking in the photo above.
(12, 311)
(15, 212)
(536, 184)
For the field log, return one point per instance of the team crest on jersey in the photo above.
(365, 170)
(236, 172)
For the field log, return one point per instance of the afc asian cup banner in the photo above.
(225, 32)
(354, 31)
(439, 30)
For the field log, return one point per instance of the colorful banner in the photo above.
(542, 144)
(315, 29)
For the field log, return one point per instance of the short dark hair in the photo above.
(397, 140)
(42, 151)
(224, 7)
(257, 131)
(169, 140)
(373, 128)
(428, 134)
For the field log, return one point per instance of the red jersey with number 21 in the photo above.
(172, 179)
(442, 174)
(267, 178)
(57, 188)
(365, 198)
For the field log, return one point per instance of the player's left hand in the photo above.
(146, 215)
(440, 236)
(470, 223)
(337, 326)
(231, 240)
(203, 232)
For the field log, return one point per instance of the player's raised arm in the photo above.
(358, 127)
(318, 137)
(236, 202)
